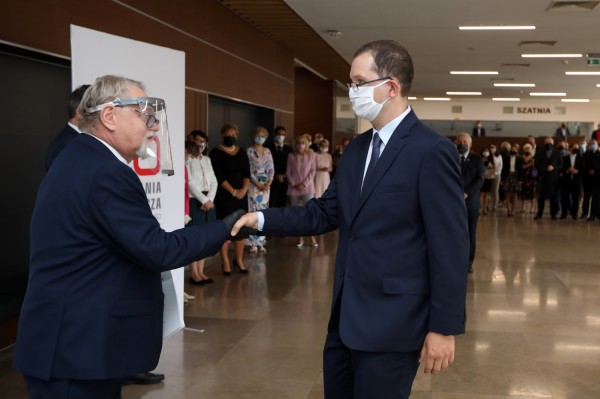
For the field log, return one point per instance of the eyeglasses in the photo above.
(150, 119)
(355, 86)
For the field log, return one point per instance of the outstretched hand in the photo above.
(231, 221)
(248, 222)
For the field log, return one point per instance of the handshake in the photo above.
(242, 225)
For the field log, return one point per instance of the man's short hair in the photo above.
(391, 59)
(104, 89)
(278, 128)
(75, 99)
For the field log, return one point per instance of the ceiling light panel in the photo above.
(551, 55)
(514, 84)
(498, 27)
(473, 72)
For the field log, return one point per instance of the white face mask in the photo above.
(279, 139)
(364, 104)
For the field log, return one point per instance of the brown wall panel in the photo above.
(247, 64)
(313, 104)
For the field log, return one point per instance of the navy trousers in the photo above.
(73, 389)
(353, 374)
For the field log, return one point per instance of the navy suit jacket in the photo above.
(472, 175)
(403, 240)
(94, 302)
(59, 143)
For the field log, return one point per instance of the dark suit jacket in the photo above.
(478, 132)
(542, 161)
(569, 178)
(403, 241)
(280, 158)
(94, 302)
(506, 167)
(59, 143)
(472, 175)
(559, 133)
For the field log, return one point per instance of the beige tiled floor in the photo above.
(533, 325)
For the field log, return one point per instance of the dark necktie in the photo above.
(374, 152)
(462, 163)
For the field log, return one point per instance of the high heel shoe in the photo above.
(237, 266)
(225, 273)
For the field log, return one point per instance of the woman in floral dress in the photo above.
(262, 171)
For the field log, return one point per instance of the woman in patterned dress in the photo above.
(262, 171)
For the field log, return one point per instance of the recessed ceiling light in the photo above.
(463, 93)
(598, 85)
(514, 84)
(436, 98)
(551, 55)
(412, 98)
(548, 94)
(575, 100)
(498, 27)
(473, 72)
(506, 99)
(582, 73)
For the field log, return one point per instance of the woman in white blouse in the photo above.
(202, 190)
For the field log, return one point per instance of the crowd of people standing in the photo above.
(566, 174)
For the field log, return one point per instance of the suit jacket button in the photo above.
(343, 273)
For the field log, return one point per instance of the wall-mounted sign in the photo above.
(534, 110)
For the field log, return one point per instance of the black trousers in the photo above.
(73, 389)
(278, 195)
(587, 196)
(473, 215)
(548, 191)
(352, 374)
(569, 193)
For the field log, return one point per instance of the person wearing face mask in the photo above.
(495, 190)
(548, 163)
(587, 178)
(262, 172)
(571, 182)
(488, 177)
(301, 171)
(397, 200)
(280, 153)
(562, 132)
(591, 168)
(202, 189)
(528, 179)
(232, 170)
(511, 178)
(472, 170)
(478, 130)
(324, 167)
(317, 142)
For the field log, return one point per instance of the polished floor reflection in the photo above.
(533, 327)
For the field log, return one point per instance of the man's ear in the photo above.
(395, 89)
(108, 117)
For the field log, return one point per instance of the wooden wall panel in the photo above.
(314, 105)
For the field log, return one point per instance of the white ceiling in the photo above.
(429, 30)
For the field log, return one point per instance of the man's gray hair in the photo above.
(104, 89)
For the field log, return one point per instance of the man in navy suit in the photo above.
(70, 131)
(471, 166)
(400, 277)
(93, 311)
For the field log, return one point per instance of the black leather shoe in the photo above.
(237, 266)
(143, 379)
(563, 217)
(537, 217)
(199, 282)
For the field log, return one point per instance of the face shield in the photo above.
(154, 155)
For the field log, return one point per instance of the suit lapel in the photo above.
(359, 169)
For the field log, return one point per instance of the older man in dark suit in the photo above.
(93, 311)
(471, 166)
(549, 163)
(400, 276)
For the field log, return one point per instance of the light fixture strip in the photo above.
(551, 55)
(548, 94)
(436, 98)
(498, 27)
(575, 100)
(463, 93)
(506, 99)
(582, 73)
(514, 84)
(473, 72)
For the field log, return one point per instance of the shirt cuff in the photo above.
(261, 220)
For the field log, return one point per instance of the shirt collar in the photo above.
(74, 127)
(386, 132)
(115, 152)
